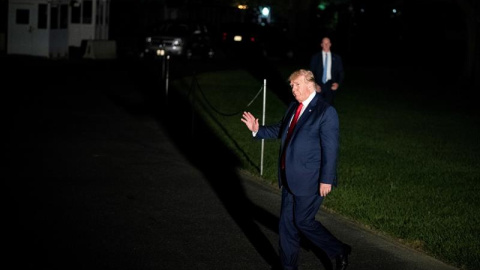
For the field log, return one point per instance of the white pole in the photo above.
(263, 123)
(167, 66)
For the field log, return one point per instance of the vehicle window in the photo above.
(178, 30)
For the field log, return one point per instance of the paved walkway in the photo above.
(95, 182)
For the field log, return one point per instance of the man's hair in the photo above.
(307, 75)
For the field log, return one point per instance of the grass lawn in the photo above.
(409, 164)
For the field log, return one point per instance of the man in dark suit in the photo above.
(327, 67)
(309, 132)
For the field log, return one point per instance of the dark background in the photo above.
(439, 38)
(81, 173)
(430, 40)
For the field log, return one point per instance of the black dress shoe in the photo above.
(342, 259)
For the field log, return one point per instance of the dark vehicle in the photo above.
(237, 39)
(250, 39)
(191, 40)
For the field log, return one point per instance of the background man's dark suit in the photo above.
(337, 74)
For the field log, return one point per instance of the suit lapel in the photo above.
(288, 117)
(321, 64)
(301, 121)
(306, 114)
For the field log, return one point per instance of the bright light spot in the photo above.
(265, 11)
(322, 6)
(362, 10)
(242, 6)
(237, 38)
(394, 10)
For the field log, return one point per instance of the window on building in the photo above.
(42, 16)
(22, 16)
(76, 7)
(87, 12)
(63, 16)
(107, 12)
(54, 17)
(99, 13)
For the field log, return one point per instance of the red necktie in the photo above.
(290, 131)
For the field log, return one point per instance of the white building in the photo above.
(54, 28)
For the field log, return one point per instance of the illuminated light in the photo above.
(160, 52)
(362, 10)
(265, 11)
(237, 38)
(242, 6)
(394, 11)
(252, 39)
(177, 42)
(322, 6)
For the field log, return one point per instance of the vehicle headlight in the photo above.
(177, 42)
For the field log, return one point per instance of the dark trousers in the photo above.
(327, 93)
(297, 217)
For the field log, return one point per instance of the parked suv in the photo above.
(191, 40)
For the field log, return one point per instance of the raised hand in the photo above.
(250, 121)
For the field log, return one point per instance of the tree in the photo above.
(471, 69)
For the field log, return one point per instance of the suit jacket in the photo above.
(316, 66)
(311, 155)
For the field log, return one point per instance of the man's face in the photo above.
(300, 88)
(326, 44)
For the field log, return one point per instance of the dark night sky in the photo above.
(419, 28)
(428, 30)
